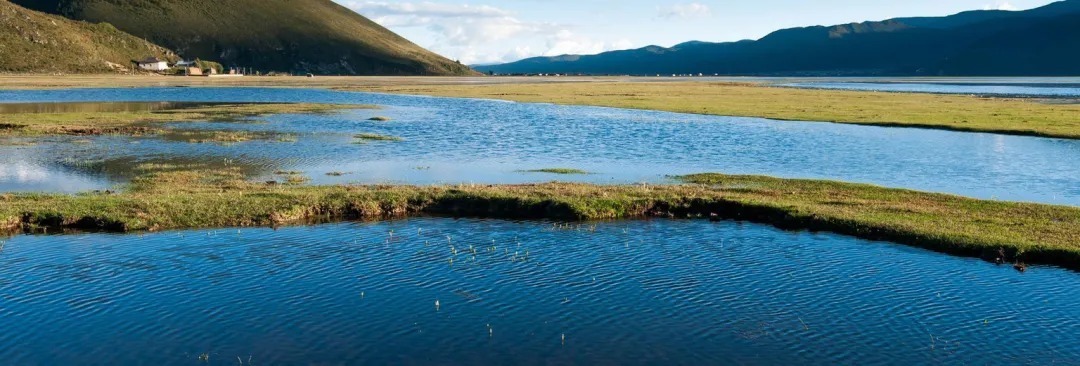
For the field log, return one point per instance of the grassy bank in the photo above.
(950, 112)
(144, 122)
(186, 199)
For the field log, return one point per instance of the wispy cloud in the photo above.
(684, 11)
(1004, 5)
(468, 32)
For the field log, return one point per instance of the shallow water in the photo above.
(479, 141)
(95, 107)
(655, 292)
(989, 89)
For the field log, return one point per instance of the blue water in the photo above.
(640, 292)
(479, 141)
(1004, 89)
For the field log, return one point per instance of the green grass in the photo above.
(563, 171)
(34, 42)
(951, 112)
(222, 198)
(362, 137)
(148, 122)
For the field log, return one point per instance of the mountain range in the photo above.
(1039, 42)
(298, 36)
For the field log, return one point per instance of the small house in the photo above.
(194, 71)
(153, 64)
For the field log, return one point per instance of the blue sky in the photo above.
(507, 30)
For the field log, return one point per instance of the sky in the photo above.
(485, 32)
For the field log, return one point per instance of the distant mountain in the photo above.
(304, 36)
(35, 42)
(1042, 41)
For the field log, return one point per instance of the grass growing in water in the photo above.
(363, 137)
(564, 171)
(952, 112)
(220, 198)
(379, 119)
(146, 122)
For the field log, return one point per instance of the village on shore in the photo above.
(182, 67)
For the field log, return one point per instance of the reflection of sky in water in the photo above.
(477, 141)
(657, 292)
(20, 171)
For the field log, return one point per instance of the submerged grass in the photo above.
(362, 137)
(147, 122)
(951, 112)
(1036, 233)
(564, 171)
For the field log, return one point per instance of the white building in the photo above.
(153, 64)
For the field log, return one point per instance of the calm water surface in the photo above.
(1020, 90)
(655, 292)
(480, 141)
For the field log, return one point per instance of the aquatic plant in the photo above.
(362, 137)
(565, 171)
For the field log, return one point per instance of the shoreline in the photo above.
(753, 97)
(1029, 233)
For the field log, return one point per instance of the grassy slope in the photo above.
(952, 112)
(317, 36)
(96, 123)
(34, 42)
(221, 198)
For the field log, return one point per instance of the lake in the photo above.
(636, 292)
(449, 140)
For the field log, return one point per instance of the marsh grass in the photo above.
(213, 136)
(563, 171)
(379, 119)
(149, 122)
(1036, 233)
(951, 112)
(365, 137)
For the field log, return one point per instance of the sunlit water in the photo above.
(656, 292)
(1019, 90)
(480, 141)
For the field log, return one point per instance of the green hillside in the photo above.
(34, 42)
(316, 36)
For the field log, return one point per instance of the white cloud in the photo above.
(481, 34)
(1004, 5)
(424, 9)
(684, 11)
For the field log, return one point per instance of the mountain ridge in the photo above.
(320, 37)
(892, 47)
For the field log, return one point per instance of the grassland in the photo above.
(146, 122)
(34, 42)
(1014, 116)
(169, 199)
(950, 112)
